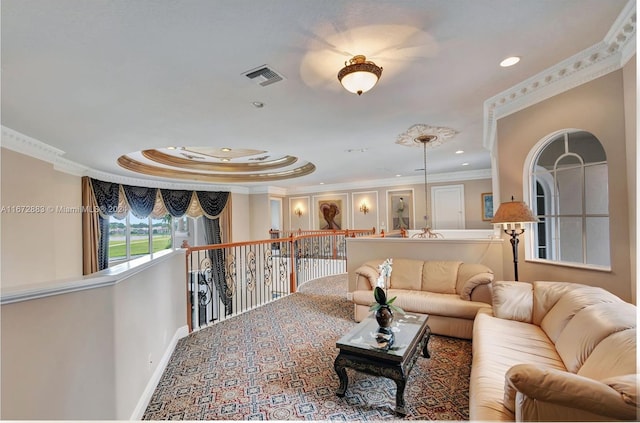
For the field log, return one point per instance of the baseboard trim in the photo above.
(143, 402)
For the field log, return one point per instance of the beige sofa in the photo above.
(554, 351)
(450, 292)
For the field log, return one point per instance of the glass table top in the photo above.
(362, 338)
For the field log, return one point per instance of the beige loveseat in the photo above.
(450, 292)
(554, 351)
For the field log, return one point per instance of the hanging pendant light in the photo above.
(359, 75)
(432, 136)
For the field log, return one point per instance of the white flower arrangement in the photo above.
(385, 270)
(381, 289)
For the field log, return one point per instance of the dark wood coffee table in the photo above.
(358, 351)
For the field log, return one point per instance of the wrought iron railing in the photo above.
(225, 280)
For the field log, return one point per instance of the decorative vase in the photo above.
(384, 316)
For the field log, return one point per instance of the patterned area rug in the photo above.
(276, 363)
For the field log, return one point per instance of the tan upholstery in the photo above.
(577, 364)
(440, 276)
(513, 300)
(406, 274)
(430, 287)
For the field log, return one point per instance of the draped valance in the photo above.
(115, 199)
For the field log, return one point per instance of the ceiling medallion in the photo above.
(421, 133)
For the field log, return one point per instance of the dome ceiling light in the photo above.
(359, 75)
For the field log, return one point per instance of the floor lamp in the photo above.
(513, 215)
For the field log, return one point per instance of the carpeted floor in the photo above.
(276, 363)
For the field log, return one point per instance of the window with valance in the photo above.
(102, 199)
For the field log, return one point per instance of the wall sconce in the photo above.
(364, 208)
(512, 215)
(298, 211)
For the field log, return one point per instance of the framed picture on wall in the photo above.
(487, 206)
(400, 210)
(329, 213)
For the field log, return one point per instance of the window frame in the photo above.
(529, 177)
(127, 222)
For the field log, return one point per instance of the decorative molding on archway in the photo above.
(609, 55)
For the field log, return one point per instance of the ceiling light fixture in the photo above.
(432, 136)
(359, 75)
(509, 61)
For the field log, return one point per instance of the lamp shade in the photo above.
(513, 213)
(359, 75)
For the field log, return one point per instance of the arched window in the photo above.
(568, 186)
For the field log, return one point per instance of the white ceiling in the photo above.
(98, 79)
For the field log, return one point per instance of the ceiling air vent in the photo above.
(263, 75)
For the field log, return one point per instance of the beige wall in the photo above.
(84, 355)
(597, 107)
(240, 223)
(260, 216)
(56, 236)
(629, 75)
(379, 213)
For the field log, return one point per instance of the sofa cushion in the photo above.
(474, 281)
(571, 303)
(440, 276)
(626, 385)
(589, 327)
(434, 303)
(468, 270)
(405, 274)
(613, 356)
(512, 300)
(546, 294)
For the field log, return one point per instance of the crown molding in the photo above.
(159, 183)
(20, 143)
(611, 54)
(271, 190)
(394, 182)
(24, 144)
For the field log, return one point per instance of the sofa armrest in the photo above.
(473, 282)
(366, 277)
(539, 391)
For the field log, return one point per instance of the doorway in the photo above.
(448, 207)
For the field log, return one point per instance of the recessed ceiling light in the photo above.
(226, 149)
(465, 164)
(398, 175)
(459, 151)
(226, 159)
(509, 61)
(321, 183)
(171, 148)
